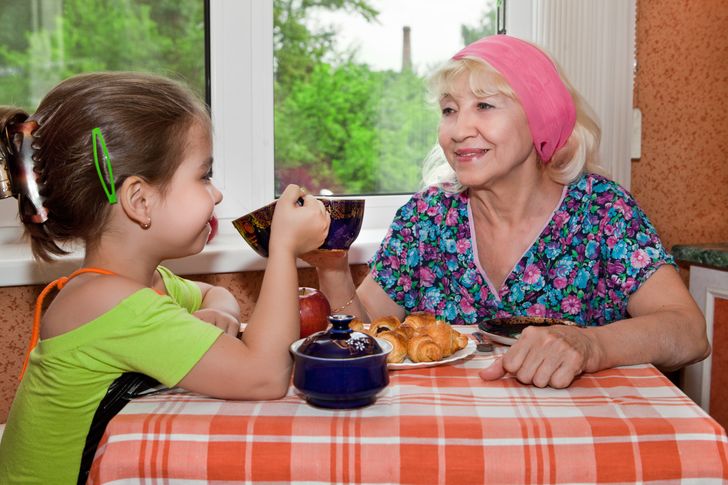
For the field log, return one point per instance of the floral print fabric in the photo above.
(595, 251)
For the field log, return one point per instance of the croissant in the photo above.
(408, 329)
(440, 333)
(448, 339)
(356, 325)
(414, 322)
(421, 348)
(457, 340)
(420, 319)
(399, 345)
(460, 340)
(383, 324)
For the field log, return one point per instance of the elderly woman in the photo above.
(516, 221)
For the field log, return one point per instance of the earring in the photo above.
(147, 224)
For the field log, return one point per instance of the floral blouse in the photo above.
(595, 251)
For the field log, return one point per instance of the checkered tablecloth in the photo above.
(439, 425)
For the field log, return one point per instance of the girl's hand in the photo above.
(547, 356)
(220, 319)
(298, 228)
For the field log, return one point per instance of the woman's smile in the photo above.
(469, 154)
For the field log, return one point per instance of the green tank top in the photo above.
(69, 374)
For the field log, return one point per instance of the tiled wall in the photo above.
(680, 181)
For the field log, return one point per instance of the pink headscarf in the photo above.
(533, 76)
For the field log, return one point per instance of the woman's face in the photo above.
(486, 140)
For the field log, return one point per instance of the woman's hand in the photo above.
(548, 356)
(329, 259)
(298, 228)
(220, 319)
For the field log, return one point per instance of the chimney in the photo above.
(406, 49)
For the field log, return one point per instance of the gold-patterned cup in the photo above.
(346, 219)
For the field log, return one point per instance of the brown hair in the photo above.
(144, 120)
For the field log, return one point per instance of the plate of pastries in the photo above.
(420, 340)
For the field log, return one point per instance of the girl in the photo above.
(122, 163)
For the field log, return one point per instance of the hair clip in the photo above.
(110, 192)
(6, 188)
(23, 174)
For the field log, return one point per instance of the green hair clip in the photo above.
(109, 187)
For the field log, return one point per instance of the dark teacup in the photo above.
(346, 219)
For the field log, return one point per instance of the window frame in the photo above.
(241, 95)
(241, 52)
(241, 99)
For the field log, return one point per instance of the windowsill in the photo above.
(227, 253)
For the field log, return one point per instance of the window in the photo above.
(45, 41)
(261, 159)
(352, 114)
(252, 159)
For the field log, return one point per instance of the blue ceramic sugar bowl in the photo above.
(340, 368)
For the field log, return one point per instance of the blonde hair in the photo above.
(579, 154)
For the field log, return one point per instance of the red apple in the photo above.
(314, 309)
(213, 228)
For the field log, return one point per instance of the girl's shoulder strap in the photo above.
(59, 284)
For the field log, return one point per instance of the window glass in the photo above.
(45, 41)
(352, 113)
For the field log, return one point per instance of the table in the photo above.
(435, 425)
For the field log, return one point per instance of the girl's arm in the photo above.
(219, 298)
(259, 365)
(219, 307)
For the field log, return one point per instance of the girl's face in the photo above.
(485, 140)
(184, 213)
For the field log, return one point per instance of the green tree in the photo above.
(94, 35)
(406, 130)
(486, 25)
(324, 112)
(298, 48)
(326, 124)
(353, 130)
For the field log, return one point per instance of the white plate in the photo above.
(459, 355)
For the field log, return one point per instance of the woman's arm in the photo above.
(367, 302)
(666, 329)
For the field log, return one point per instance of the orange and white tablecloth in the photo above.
(438, 425)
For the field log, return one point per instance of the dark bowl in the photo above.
(346, 219)
(340, 383)
(511, 327)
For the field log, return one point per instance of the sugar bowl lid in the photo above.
(339, 341)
